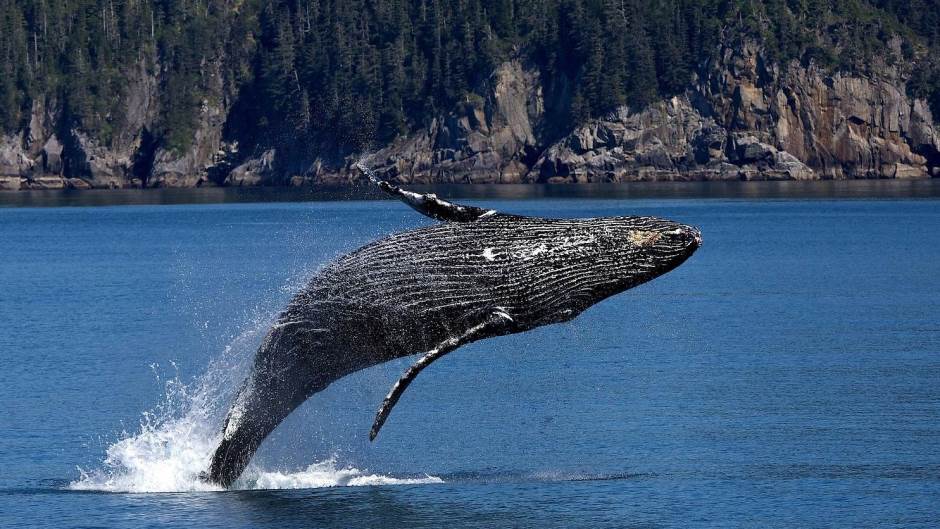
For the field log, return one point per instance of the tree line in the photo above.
(342, 75)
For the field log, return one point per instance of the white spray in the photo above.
(176, 439)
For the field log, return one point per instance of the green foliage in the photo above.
(14, 77)
(343, 75)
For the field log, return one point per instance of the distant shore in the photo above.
(763, 190)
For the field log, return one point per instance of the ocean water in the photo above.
(787, 375)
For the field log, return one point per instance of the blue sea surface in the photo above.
(787, 375)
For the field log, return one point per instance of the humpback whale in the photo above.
(477, 274)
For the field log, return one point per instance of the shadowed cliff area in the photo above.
(115, 94)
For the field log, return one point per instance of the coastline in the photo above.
(751, 190)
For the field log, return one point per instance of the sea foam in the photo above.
(176, 439)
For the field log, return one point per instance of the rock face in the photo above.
(253, 172)
(15, 162)
(191, 168)
(743, 117)
(486, 140)
(50, 154)
(670, 140)
(89, 164)
(100, 166)
(842, 126)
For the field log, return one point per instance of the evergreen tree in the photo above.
(334, 76)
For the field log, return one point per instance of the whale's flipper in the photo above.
(496, 323)
(428, 203)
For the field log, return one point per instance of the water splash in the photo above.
(327, 474)
(163, 457)
(176, 439)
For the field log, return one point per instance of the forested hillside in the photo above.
(326, 78)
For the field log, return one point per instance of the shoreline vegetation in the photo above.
(157, 94)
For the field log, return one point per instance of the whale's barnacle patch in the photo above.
(643, 238)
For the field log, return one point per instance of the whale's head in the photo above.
(573, 264)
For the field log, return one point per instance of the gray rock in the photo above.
(662, 142)
(47, 183)
(254, 171)
(14, 159)
(78, 183)
(52, 156)
(11, 183)
(104, 168)
(485, 140)
(905, 171)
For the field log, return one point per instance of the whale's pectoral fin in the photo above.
(428, 203)
(496, 323)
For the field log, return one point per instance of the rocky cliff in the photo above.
(48, 154)
(743, 117)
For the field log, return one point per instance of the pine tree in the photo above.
(642, 81)
(332, 76)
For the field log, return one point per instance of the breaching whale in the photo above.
(477, 274)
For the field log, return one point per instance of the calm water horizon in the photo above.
(814, 189)
(785, 376)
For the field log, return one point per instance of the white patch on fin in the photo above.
(489, 254)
